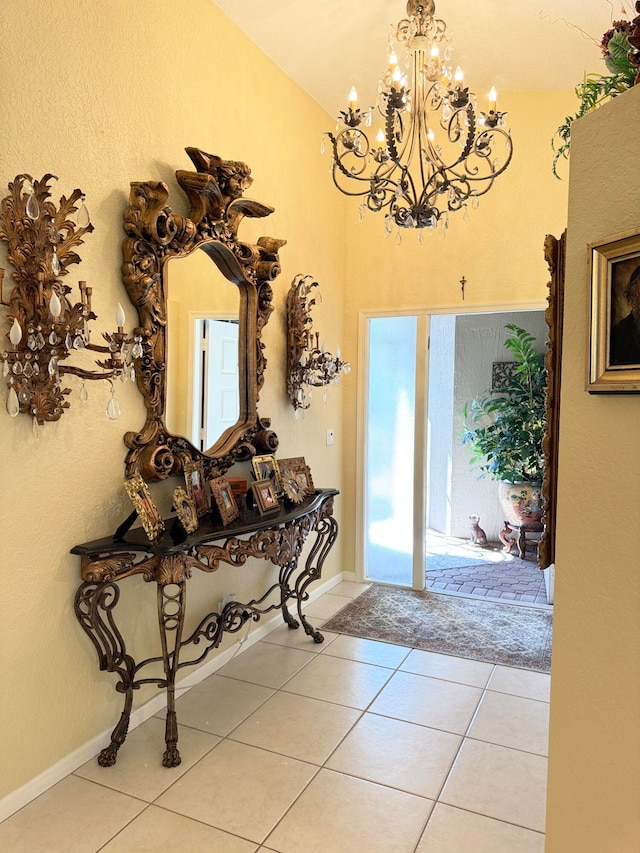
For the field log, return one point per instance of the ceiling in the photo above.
(327, 46)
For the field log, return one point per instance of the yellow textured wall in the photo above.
(594, 750)
(101, 94)
(499, 251)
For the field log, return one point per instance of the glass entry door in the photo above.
(394, 517)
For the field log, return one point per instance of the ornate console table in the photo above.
(169, 561)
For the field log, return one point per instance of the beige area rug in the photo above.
(483, 630)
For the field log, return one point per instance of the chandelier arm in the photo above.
(339, 167)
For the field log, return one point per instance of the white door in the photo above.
(218, 393)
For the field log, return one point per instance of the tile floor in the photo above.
(457, 566)
(352, 745)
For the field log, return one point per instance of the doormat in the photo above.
(482, 630)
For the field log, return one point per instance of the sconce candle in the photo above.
(46, 328)
(308, 363)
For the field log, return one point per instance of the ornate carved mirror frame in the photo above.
(155, 235)
(554, 252)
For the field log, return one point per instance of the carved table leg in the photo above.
(286, 593)
(326, 533)
(94, 606)
(171, 605)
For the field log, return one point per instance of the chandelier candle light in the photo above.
(46, 329)
(435, 152)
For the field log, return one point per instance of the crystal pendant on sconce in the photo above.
(32, 208)
(31, 342)
(13, 405)
(23, 395)
(40, 340)
(55, 262)
(53, 234)
(84, 394)
(67, 341)
(53, 338)
(113, 410)
(83, 219)
(5, 367)
(136, 349)
(78, 342)
(27, 370)
(36, 427)
(17, 368)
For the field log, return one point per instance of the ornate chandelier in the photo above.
(434, 153)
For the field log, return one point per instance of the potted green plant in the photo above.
(620, 47)
(505, 426)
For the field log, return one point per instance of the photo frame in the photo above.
(296, 479)
(267, 468)
(294, 462)
(185, 508)
(148, 514)
(264, 496)
(224, 499)
(614, 333)
(196, 485)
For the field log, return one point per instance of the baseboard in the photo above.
(54, 774)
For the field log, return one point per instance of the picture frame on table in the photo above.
(196, 486)
(264, 496)
(614, 332)
(266, 468)
(296, 478)
(224, 499)
(148, 514)
(185, 508)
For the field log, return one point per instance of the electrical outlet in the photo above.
(226, 600)
(329, 437)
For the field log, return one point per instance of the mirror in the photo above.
(240, 277)
(203, 390)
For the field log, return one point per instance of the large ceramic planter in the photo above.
(521, 502)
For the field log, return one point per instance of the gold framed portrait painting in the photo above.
(614, 334)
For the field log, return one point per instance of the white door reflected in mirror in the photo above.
(203, 383)
(216, 382)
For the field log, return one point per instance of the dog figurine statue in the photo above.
(478, 536)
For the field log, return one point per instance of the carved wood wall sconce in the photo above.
(45, 327)
(308, 362)
(155, 235)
